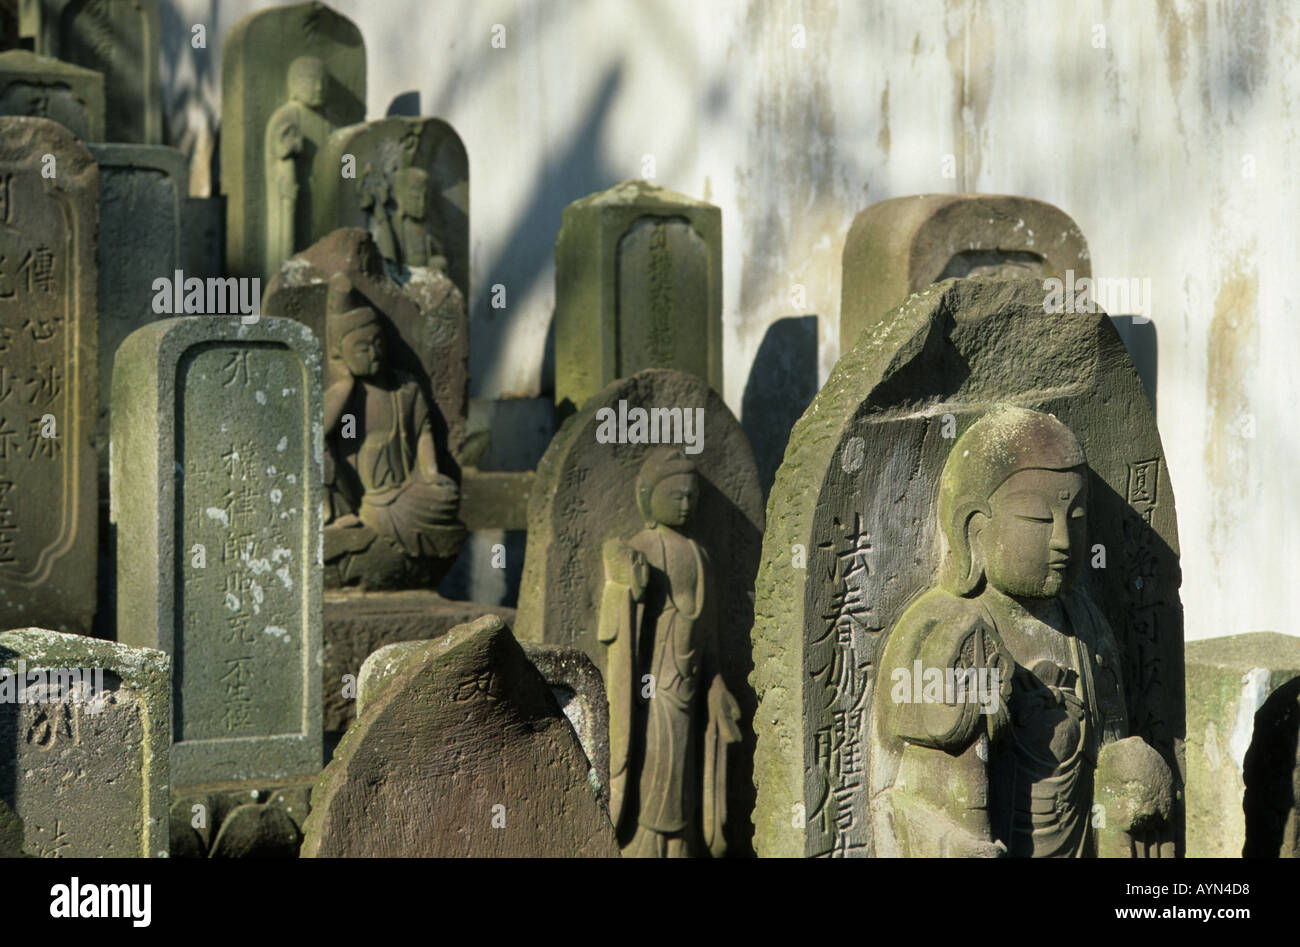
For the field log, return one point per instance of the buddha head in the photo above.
(1012, 506)
(356, 332)
(667, 487)
(307, 81)
(411, 188)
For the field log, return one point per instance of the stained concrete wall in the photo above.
(1166, 129)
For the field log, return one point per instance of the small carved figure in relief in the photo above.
(671, 715)
(408, 235)
(387, 504)
(1021, 775)
(294, 133)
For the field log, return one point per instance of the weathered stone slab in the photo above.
(854, 537)
(119, 39)
(398, 161)
(357, 624)
(48, 396)
(87, 766)
(40, 87)
(588, 495)
(897, 247)
(216, 472)
(1229, 681)
(638, 284)
(395, 402)
(463, 753)
(260, 104)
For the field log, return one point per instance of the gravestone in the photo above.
(85, 765)
(462, 752)
(410, 191)
(1230, 680)
(216, 473)
(854, 537)
(897, 247)
(638, 284)
(120, 39)
(290, 76)
(40, 87)
(48, 398)
(588, 515)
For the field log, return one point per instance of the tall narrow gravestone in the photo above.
(643, 539)
(83, 724)
(48, 327)
(638, 284)
(216, 472)
(410, 189)
(898, 247)
(890, 489)
(41, 87)
(121, 40)
(290, 76)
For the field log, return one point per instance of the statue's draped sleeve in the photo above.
(722, 728)
(616, 630)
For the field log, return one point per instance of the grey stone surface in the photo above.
(87, 777)
(216, 472)
(42, 87)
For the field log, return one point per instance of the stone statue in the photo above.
(388, 507)
(408, 236)
(665, 693)
(294, 133)
(1038, 762)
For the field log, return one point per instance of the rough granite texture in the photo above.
(897, 247)
(87, 779)
(638, 284)
(463, 753)
(216, 472)
(1229, 680)
(863, 467)
(48, 529)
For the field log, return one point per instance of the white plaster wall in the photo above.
(1145, 142)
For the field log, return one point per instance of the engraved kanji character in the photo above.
(38, 443)
(6, 338)
(237, 630)
(8, 438)
(6, 384)
(42, 330)
(237, 716)
(237, 365)
(47, 380)
(237, 678)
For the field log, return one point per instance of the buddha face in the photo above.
(412, 190)
(673, 499)
(363, 350)
(1033, 543)
(307, 79)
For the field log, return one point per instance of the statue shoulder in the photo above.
(937, 618)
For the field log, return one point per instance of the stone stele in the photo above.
(411, 191)
(48, 397)
(638, 284)
(1231, 679)
(86, 762)
(321, 51)
(463, 752)
(216, 473)
(853, 538)
(117, 38)
(585, 500)
(897, 247)
(40, 87)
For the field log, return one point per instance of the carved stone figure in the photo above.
(388, 506)
(295, 132)
(408, 236)
(1016, 772)
(657, 618)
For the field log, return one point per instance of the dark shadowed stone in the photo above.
(185, 839)
(900, 246)
(576, 683)
(782, 383)
(853, 538)
(48, 396)
(1230, 680)
(257, 831)
(216, 473)
(41, 87)
(638, 284)
(11, 832)
(118, 38)
(463, 753)
(85, 769)
(586, 495)
(1272, 777)
(357, 624)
